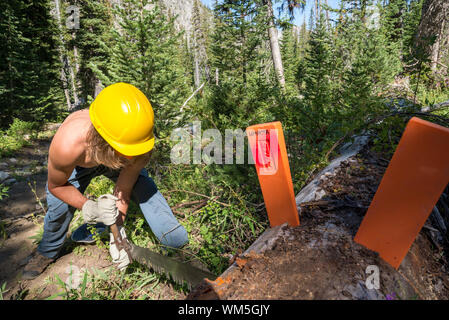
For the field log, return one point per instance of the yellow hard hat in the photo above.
(123, 116)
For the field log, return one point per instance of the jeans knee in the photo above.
(175, 238)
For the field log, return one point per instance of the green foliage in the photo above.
(109, 285)
(3, 191)
(221, 231)
(388, 134)
(97, 237)
(91, 39)
(29, 87)
(16, 136)
(3, 290)
(145, 53)
(244, 85)
(291, 56)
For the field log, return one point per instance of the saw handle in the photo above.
(119, 241)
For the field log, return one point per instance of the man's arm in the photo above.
(126, 181)
(62, 159)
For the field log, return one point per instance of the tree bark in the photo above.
(216, 77)
(98, 87)
(196, 74)
(274, 44)
(431, 29)
(57, 15)
(327, 15)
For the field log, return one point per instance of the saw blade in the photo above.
(179, 272)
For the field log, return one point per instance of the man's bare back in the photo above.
(69, 143)
(68, 149)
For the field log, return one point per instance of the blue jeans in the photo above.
(155, 209)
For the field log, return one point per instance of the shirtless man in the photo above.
(114, 138)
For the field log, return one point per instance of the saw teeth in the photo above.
(178, 272)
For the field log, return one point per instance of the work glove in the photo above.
(103, 210)
(119, 257)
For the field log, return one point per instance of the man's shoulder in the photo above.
(68, 144)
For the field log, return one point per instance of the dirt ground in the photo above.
(21, 213)
(319, 259)
(21, 217)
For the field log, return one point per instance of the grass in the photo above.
(16, 136)
(3, 191)
(3, 290)
(109, 284)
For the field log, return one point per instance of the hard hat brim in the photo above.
(133, 149)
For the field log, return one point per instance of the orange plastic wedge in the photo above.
(410, 188)
(270, 154)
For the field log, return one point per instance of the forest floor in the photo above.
(320, 260)
(21, 218)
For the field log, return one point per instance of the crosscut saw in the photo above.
(178, 271)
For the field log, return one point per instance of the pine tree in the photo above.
(411, 21)
(12, 45)
(303, 39)
(290, 52)
(315, 72)
(239, 55)
(29, 84)
(146, 53)
(201, 41)
(91, 39)
(370, 61)
(43, 83)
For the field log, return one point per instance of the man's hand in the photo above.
(119, 257)
(103, 210)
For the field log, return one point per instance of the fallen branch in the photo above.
(436, 106)
(439, 219)
(441, 64)
(327, 205)
(198, 208)
(430, 228)
(200, 195)
(179, 213)
(193, 94)
(186, 204)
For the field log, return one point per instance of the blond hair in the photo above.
(102, 153)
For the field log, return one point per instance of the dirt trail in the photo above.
(21, 217)
(21, 213)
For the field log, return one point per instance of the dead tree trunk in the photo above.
(431, 30)
(274, 44)
(57, 16)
